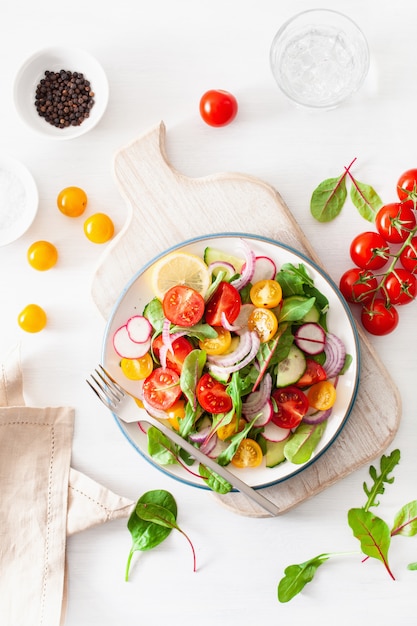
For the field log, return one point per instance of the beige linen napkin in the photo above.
(42, 501)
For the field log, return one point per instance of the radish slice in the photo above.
(139, 328)
(126, 347)
(264, 415)
(310, 338)
(265, 269)
(272, 432)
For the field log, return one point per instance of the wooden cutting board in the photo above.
(167, 208)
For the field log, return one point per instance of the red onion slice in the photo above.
(248, 268)
(335, 351)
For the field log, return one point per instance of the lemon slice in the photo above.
(180, 268)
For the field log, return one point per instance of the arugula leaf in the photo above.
(365, 199)
(405, 522)
(226, 455)
(328, 198)
(373, 533)
(387, 464)
(297, 576)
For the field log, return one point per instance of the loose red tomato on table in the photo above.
(290, 406)
(378, 318)
(369, 251)
(357, 285)
(314, 373)
(394, 221)
(161, 389)
(407, 185)
(401, 286)
(225, 300)
(181, 347)
(212, 395)
(408, 256)
(183, 305)
(218, 107)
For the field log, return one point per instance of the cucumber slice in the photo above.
(292, 368)
(275, 453)
(313, 315)
(212, 255)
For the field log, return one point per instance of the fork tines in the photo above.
(108, 391)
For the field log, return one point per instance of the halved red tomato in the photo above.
(226, 299)
(180, 348)
(290, 406)
(183, 305)
(314, 373)
(161, 389)
(212, 395)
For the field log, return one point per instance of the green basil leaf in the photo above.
(303, 442)
(297, 576)
(373, 533)
(365, 199)
(405, 522)
(328, 199)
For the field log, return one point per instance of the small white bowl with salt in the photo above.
(19, 199)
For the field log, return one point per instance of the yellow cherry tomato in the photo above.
(72, 201)
(264, 322)
(322, 395)
(266, 293)
(248, 454)
(42, 255)
(32, 318)
(99, 228)
(175, 413)
(224, 432)
(137, 369)
(218, 345)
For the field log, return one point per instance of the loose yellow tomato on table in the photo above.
(99, 228)
(42, 255)
(266, 293)
(322, 395)
(72, 201)
(248, 454)
(219, 344)
(32, 319)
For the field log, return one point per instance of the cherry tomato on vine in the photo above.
(72, 201)
(358, 285)
(394, 221)
(407, 185)
(408, 256)
(212, 395)
(369, 251)
(378, 318)
(218, 107)
(401, 286)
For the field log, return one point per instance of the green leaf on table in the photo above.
(412, 566)
(297, 576)
(405, 522)
(303, 442)
(373, 533)
(387, 464)
(145, 534)
(365, 199)
(328, 199)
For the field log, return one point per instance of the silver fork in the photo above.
(115, 398)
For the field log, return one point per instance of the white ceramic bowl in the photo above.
(56, 59)
(19, 199)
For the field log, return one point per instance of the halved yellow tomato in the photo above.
(322, 395)
(248, 454)
(219, 344)
(175, 413)
(137, 369)
(264, 322)
(223, 432)
(266, 293)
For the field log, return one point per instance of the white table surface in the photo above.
(160, 57)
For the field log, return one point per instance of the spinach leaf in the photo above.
(405, 522)
(412, 566)
(328, 198)
(214, 481)
(303, 442)
(191, 372)
(161, 448)
(154, 313)
(365, 199)
(199, 331)
(373, 534)
(293, 311)
(145, 534)
(297, 576)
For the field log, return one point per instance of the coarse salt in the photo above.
(13, 200)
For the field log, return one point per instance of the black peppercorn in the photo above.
(64, 98)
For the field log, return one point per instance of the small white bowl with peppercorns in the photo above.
(61, 93)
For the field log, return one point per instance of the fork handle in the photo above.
(238, 484)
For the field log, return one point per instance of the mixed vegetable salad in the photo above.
(244, 367)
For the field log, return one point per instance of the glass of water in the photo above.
(319, 58)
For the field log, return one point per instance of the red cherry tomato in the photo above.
(290, 406)
(401, 286)
(181, 347)
(395, 221)
(407, 185)
(314, 373)
(161, 389)
(369, 251)
(378, 318)
(408, 256)
(183, 305)
(226, 299)
(212, 395)
(218, 107)
(358, 285)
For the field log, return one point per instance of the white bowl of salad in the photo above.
(244, 346)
